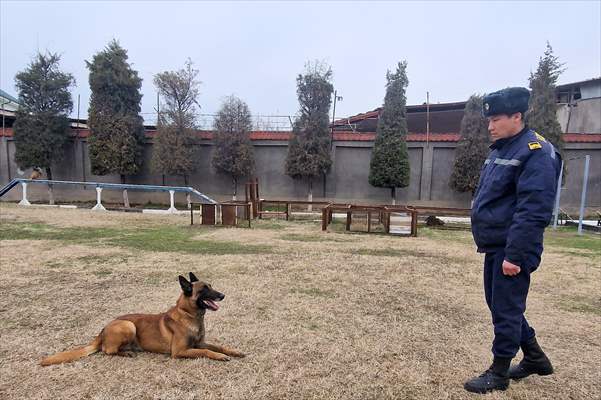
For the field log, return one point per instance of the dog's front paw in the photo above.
(238, 354)
(222, 357)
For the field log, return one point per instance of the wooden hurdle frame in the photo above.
(226, 213)
(384, 214)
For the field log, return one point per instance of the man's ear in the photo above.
(193, 277)
(186, 286)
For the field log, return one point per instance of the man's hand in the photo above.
(510, 269)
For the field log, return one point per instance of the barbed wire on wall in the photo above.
(259, 122)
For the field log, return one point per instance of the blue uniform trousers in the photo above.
(506, 299)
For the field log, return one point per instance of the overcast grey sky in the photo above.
(255, 49)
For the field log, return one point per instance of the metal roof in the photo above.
(8, 97)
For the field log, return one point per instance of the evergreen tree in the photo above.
(41, 128)
(173, 151)
(116, 127)
(472, 148)
(234, 155)
(542, 113)
(309, 146)
(389, 165)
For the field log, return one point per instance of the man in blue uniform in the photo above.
(512, 206)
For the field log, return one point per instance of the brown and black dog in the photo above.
(36, 173)
(180, 331)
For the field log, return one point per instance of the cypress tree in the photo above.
(309, 145)
(542, 113)
(472, 148)
(234, 155)
(116, 127)
(41, 127)
(389, 165)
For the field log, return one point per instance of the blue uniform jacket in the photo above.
(515, 197)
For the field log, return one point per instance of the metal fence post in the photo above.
(587, 160)
(557, 197)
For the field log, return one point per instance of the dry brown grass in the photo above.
(327, 319)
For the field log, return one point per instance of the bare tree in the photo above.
(173, 151)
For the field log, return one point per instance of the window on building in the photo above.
(563, 97)
(576, 94)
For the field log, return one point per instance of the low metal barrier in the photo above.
(101, 186)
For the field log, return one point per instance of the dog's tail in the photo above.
(75, 354)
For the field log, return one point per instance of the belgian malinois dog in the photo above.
(36, 173)
(180, 331)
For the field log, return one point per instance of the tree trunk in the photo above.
(235, 183)
(125, 197)
(50, 191)
(310, 196)
(163, 179)
(186, 180)
(393, 195)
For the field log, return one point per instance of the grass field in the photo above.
(320, 315)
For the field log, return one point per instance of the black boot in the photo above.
(494, 378)
(534, 362)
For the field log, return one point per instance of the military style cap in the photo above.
(506, 101)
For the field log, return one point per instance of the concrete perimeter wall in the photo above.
(431, 167)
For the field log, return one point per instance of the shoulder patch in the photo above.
(540, 137)
(534, 145)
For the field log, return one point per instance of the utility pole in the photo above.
(336, 98)
(3, 112)
(427, 119)
(4, 138)
(78, 98)
(158, 109)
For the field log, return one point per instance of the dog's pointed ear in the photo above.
(193, 277)
(186, 286)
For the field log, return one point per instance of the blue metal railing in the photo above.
(8, 187)
(114, 186)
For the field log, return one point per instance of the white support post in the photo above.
(24, 201)
(172, 209)
(98, 206)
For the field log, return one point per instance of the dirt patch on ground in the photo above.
(321, 316)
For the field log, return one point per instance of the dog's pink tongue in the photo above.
(212, 304)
